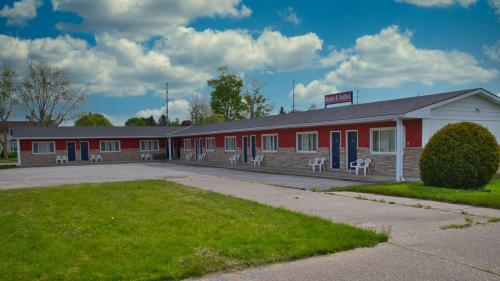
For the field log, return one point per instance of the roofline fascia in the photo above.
(424, 112)
(74, 137)
(298, 125)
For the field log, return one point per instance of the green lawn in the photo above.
(152, 229)
(5, 166)
(487, 197)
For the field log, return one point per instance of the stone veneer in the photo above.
(382, 164)
(125, 155)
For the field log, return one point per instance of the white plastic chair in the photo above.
(93, 158)
(315, 163)
(322, 161)
(356, 165)
(202, 157)
(232, 159)
(254, 162)
(60, 159)
(143, 156)
(261, 161)
(366, 166)
(189, 156)
(99, 158)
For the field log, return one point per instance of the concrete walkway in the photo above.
(418, 248)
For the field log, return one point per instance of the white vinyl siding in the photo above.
(230, 143)
(150, 145)
(307, 142)
(43, 148)
(187, 144)
(110, 146)
(270, 143)
(383, 140)
(210, 144)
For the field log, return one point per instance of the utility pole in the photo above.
(293, 95)
(166, 100)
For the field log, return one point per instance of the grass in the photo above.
(5, 166)
(153, 230)
(489, 196)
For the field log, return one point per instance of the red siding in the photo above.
(287, 137)
(126, 143)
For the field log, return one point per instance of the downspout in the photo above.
(399, 149)
(170, 149)
(18, 153)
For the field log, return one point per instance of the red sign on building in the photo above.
(338, 98)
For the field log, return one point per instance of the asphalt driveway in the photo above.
(418, 249)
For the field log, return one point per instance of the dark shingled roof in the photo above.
(92, 132)
(334, 114)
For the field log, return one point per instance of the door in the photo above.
(253, 145)
(352, 147)
(177, 150)
(335, 150)
(199, 147)
(245, 149)
(71, 151)
(84, 151)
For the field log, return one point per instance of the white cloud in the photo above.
(389, 59)
(289, 15)
(495, 4)
(144, 19)
(239, 50)
(493, 52)
(176, 109)
(439, 3)
(21, 12)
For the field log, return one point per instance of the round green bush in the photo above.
(461, 155)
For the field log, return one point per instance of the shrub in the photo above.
(462, 155)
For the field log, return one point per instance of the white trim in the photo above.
(169, 143)
(299, 125)
(67, 150)
(119, 146)
(262, 143)
(330, 148)
(19, 152)
(371, 140)
(186, 148)
(399, 150)
(88, 150)
(225, 146)
(297, 142)
(206, 144)
(156, 140)
(347, 146)
(33, 147)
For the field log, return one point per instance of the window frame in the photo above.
(372, 151)
(187, 148)
(33, 147)
(306, 133)
(225, 143)
(262, 143)
(114, 151)
(206, 144)
(152, 140)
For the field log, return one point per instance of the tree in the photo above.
(162, 121)
(47, 96)
(199, 110)
(135, 121)
(149, 121)
(282, 110)
(254, 104)
(214, 118)
(186, 123)
(8, 100)
(226, 96)
(93, 120)
(176, 122)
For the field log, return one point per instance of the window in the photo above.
(110, 146)
(383, 140)
(210, 144)
(187, 144)
(270, 143)
(307, 142)
(12, 146)
(11, 132)
(230, 143)
(150, 145)
(43, 148)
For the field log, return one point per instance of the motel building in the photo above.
(390, 133)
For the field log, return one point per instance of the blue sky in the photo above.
(124, 52)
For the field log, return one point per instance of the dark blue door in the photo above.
(253, 140)
(335, 150)
(84, 151)
(245, 149)
(352, 147)
(71, 151)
